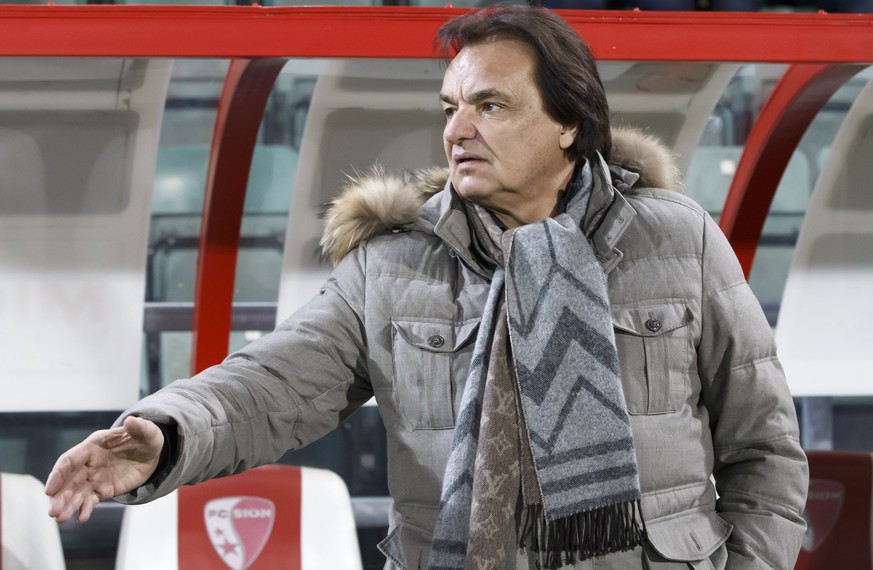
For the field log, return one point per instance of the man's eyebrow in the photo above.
(477, 97)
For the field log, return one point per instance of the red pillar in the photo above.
(240, 109)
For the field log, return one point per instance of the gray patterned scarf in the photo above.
(542, 444)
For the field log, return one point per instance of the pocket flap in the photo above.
(406, 546)
(436, 336)
(694, 535)
(651, 320)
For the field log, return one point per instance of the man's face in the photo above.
(505, 153)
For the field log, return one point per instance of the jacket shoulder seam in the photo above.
(724, 288)
(665, 195)
(751, 364)
(747, 444)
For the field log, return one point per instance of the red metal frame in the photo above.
(245, 32)
(797, 98)
(240, 110)
(247, 35)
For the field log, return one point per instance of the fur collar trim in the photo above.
(377, 203)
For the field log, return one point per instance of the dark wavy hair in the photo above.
(566, 72)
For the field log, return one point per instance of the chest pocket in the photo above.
(431, 361)
(655, 353)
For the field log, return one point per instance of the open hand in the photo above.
(108, 463)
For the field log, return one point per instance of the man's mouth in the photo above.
(467, 158)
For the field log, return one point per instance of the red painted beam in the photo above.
(794, 103)
(240, 110)
(377, 31)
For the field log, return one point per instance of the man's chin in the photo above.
(472, 190)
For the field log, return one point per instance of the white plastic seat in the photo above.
(826, 309)
(30, 539)
(275, 516)
(76, 180)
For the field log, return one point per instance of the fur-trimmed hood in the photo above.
(377, 203)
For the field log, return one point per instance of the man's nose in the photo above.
(459, 127)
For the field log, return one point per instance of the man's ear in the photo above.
(567, 136)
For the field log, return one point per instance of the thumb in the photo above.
(134, 425)
(142, 441)
(142, 430)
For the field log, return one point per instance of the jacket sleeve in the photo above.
(760, 469)
(281, 392)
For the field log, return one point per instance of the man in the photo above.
(563, 353)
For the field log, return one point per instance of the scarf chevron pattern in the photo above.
(573, 453)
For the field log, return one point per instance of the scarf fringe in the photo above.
(580, 536)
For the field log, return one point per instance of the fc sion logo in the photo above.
(823, 508)
(239, 527)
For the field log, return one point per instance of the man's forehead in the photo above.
(508, 53)
(494, 65)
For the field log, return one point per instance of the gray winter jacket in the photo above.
(397, 320)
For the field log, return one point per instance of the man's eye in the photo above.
(490, 107)
(449, 111)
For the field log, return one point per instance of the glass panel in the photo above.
(775, 252)
(180, 182)
(177, 205)
(716, 158)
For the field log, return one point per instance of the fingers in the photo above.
(65, 505)
(57, 507)
(87, 507)
(106, 464)
(56, 478)
(66, 474)
(68, 466)
(69, 485)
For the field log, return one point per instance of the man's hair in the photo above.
(566, 72)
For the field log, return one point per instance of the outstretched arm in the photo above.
(108, 463)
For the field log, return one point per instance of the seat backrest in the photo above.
(831, 270)
(275, 516)
(29, 538)
(76, 181)
(838, 511)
